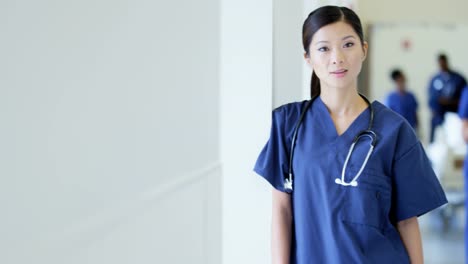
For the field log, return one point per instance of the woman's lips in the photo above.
(339, 73)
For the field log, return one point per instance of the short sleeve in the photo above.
(433, 95)
(415, 101)
(463, 105)
(272, 163)
(416, 189)
(386, 101)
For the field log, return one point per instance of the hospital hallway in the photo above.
(129, 129)
(443, 247)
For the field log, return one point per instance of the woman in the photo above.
(329, 206)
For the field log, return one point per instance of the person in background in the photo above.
(444, 93)
(463, 113)
(401, 100)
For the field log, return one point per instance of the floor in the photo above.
(443, 244)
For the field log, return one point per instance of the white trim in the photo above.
(180, 183)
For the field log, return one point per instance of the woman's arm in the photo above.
(409, 233)
(281, 227)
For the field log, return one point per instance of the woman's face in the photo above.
(336, 55)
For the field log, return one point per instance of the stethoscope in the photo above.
(288, 180)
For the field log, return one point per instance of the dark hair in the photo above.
(396, 73)
(442, 56)
(321, 17)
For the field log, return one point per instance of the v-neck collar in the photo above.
(361, 122)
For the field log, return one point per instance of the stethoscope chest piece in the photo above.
(340, 182)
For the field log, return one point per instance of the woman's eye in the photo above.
(349, 44)
(323, 49)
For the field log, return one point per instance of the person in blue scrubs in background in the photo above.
(401, 100)
(463, 113)
(444, 93)
(344, 208)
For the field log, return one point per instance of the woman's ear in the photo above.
(307, 59)
(365, 48)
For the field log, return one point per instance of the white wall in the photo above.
(433, 11)
(246, 104)
(109, 132)
(288, 52)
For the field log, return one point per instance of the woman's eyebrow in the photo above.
(347, 37)
(321, 42)
(324, 41)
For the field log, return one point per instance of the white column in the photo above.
(246, 104)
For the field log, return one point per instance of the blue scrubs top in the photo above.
(404, 104)
(445, 84)
(337, 224)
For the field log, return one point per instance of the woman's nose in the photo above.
(337, 57)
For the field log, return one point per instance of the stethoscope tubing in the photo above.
(288, 180)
